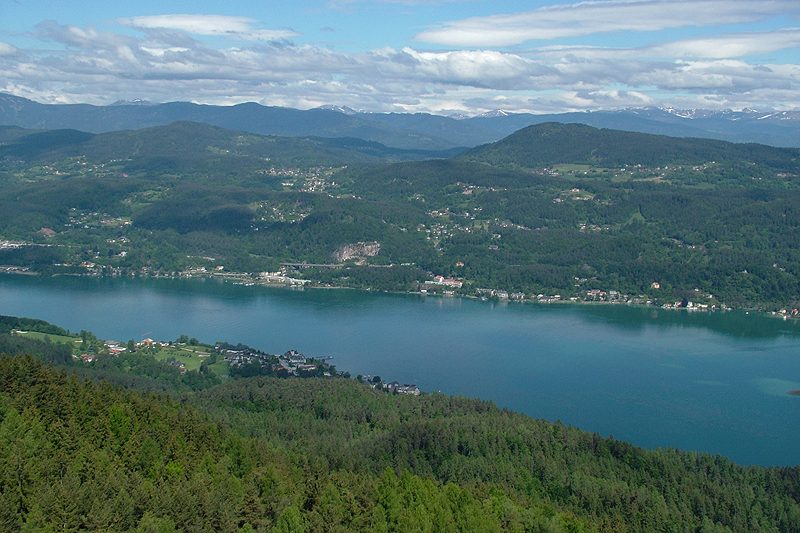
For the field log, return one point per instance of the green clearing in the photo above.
(220, 368)
(192, 356)
(566, 169)
(73, 341)
(636, 216)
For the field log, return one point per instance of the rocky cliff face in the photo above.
(357, 250)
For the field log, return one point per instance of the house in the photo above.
(295, 357)
(450, 282)
(408, 389)
(395, 388)
(179, 365)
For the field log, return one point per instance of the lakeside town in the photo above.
(290, 275)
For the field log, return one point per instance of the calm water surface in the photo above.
(714, 382)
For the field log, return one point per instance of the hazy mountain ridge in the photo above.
(775, 129)
(186, 139)
(781, 128)
(400, 130)
(249, 117)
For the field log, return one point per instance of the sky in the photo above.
(435, 56)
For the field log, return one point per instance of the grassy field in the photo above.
(220, 368)
(75, 342)
(191, 356)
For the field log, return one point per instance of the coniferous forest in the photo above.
(170, 452)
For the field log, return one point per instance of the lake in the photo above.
(715, 382)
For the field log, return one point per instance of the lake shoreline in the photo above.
(237, 278)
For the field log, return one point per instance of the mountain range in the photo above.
(418, 131)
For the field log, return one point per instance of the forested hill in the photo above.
(333, 455)
(193, 144)
(546, 145)
(648, 219)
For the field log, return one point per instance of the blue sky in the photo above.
(407, 56)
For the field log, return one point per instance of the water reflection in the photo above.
(730, 323)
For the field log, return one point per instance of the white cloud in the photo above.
(725, 46)
(586, 18)
(480, 68)
(729, 45)
(7, 49)
(90, 37)
(159, 52)
(241, 28)
(721, 76)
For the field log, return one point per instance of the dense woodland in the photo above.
(552, 209)
(81, 452)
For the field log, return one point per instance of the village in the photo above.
(294, 364)
(227, 360)
(246, 361)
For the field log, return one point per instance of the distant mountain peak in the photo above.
(342, 109)
(135, 101)
(495, 113)
(689, 113)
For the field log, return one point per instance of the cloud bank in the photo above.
(212, 25)
(586, 18)
(226, 60)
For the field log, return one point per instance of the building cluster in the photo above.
(449, 282)
(280, 277)
(115, 347)
(392, 388)
(12, 245)
(395, 388)
(241, 354)
(497, 293)
(293, 362)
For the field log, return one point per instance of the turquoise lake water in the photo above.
(715, 382)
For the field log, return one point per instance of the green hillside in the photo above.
(552, 211)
